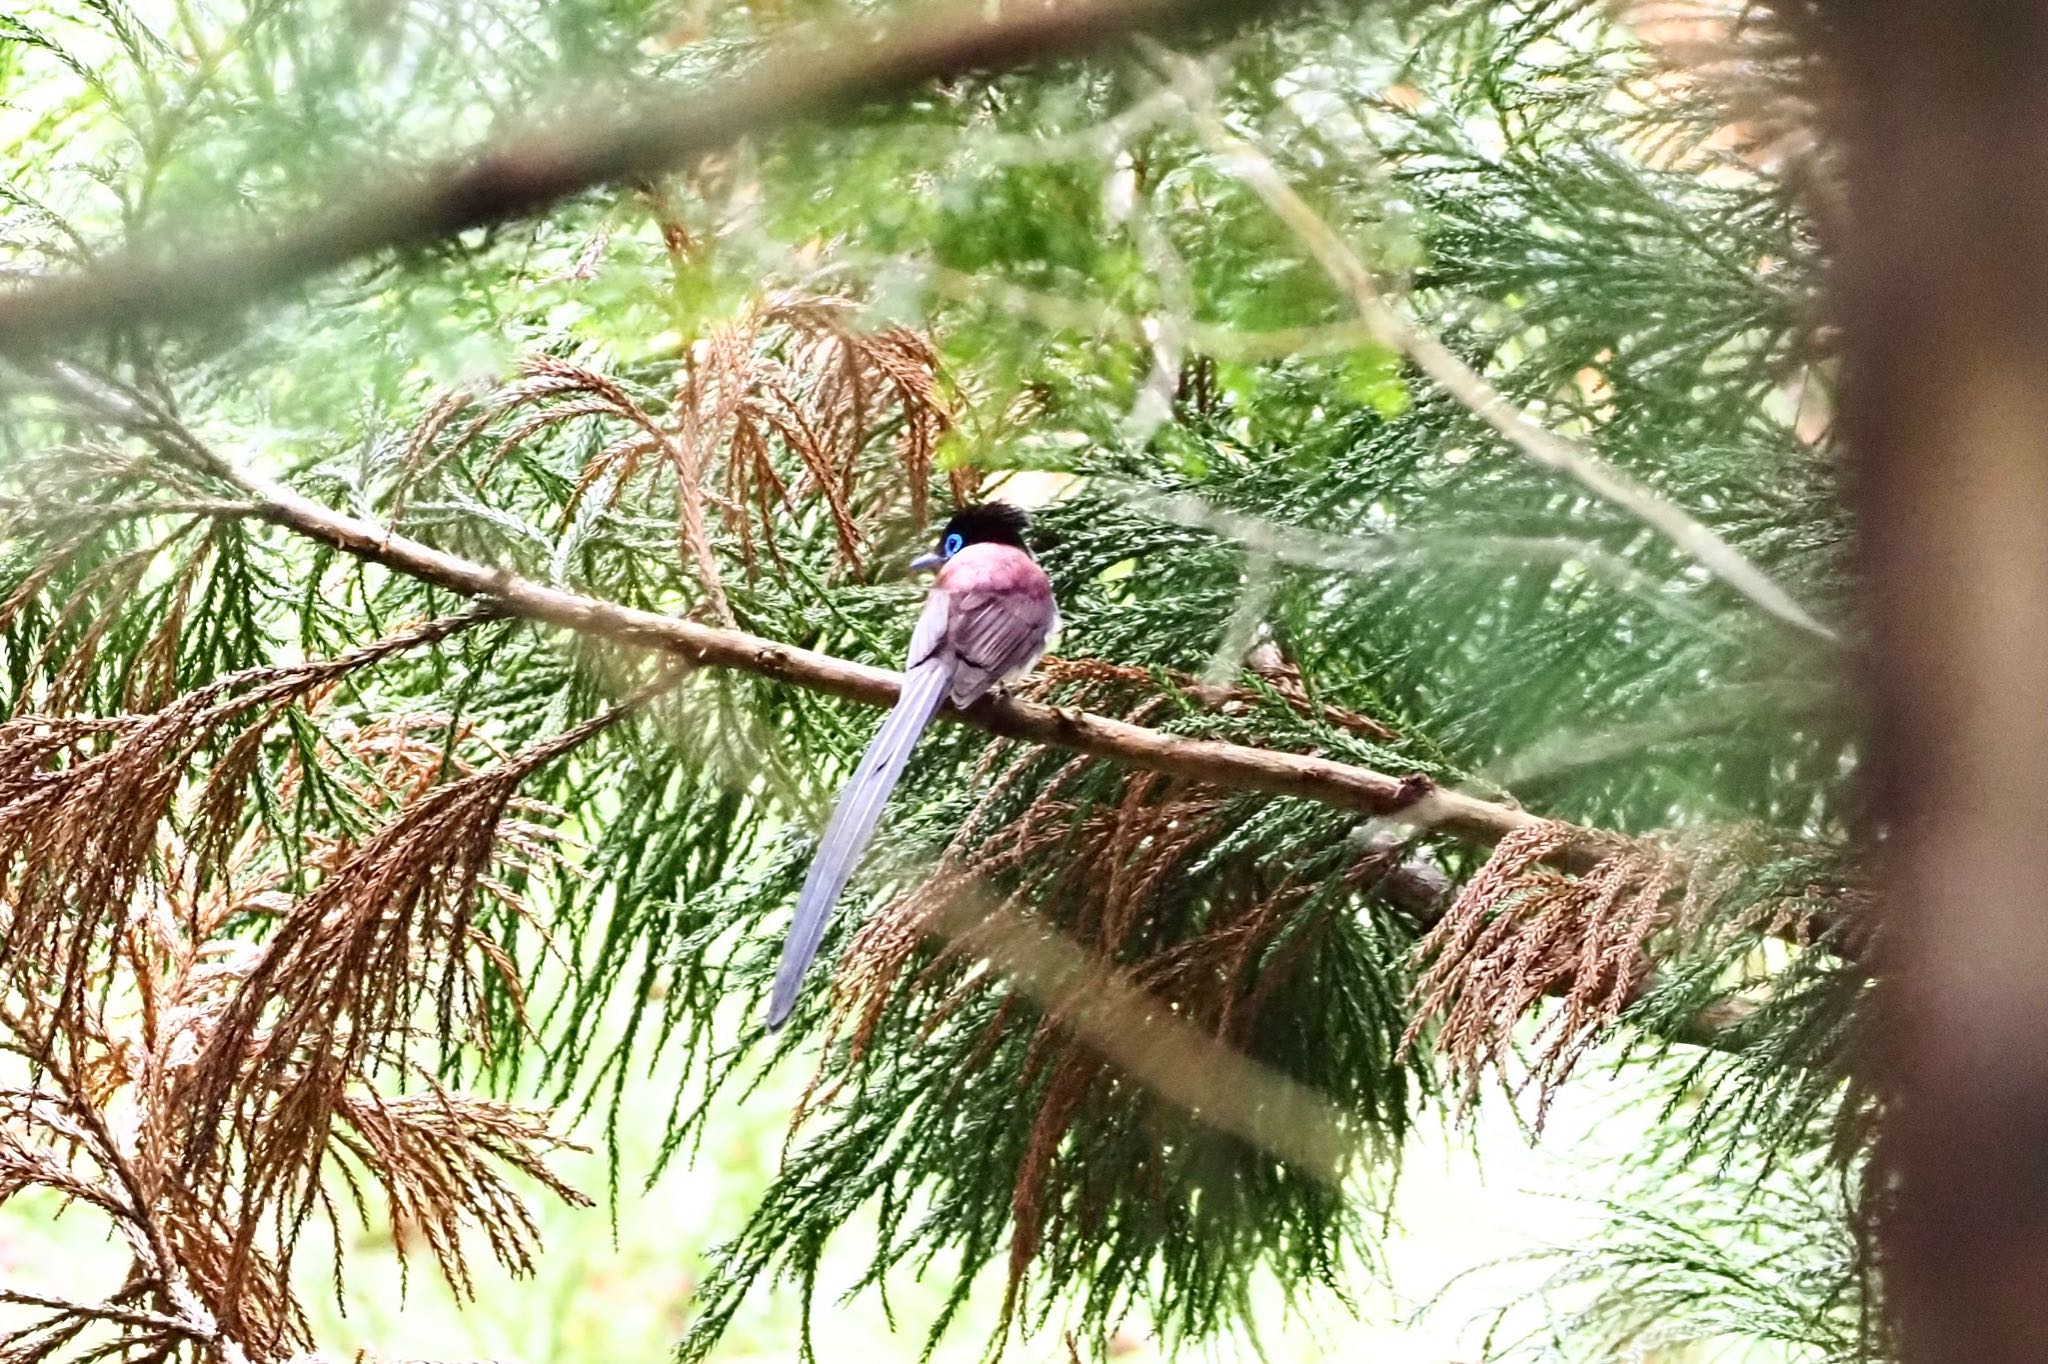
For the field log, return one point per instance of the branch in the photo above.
(524, 173)
(1398, 332)
(1412, 800)
(1409, 800)
(1418, 887)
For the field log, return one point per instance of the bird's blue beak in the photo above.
(925, 561)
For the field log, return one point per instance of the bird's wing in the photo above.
(995, 635)
(931, 628)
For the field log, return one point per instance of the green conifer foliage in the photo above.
(742, 393)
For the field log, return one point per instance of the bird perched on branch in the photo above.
(985, 623)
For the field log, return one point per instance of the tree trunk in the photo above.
(1944, 291)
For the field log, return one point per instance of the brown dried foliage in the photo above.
(211, 1090)
(1752, 67)
(1717, 862)
(788, 403)
(82, 798)
(80, 620)
(1520, 932)
(1751, 75)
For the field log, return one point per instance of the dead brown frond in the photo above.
(214, 1093)
(1815, 898)
(441, 1160)
(81, 620)
(1749, 70)
(339, 991)
(787, 407)
(81, 801)
(1520, 932)
(795, 373)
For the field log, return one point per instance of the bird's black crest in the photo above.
(988, 523)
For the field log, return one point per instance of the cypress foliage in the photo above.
(741, 395)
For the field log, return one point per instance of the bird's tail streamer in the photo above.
(853, 824)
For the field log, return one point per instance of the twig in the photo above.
(523, 173)
(1396, 331)
(106, 1152)
(147, 1321)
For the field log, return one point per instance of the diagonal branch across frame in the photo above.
(524, 172)
(1411, 800)
(1417, 886)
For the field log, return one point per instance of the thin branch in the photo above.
(1409, 802)
(124, 1316)
(1397, 331)
(526, 172)
(1413, 801)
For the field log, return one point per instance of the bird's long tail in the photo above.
(853, 824)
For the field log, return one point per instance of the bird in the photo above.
(985, 623)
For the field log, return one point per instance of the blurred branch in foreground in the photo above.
(1141, 1034)
(522, 173)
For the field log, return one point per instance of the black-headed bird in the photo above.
(985, 623)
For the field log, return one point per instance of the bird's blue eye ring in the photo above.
(952, 545)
